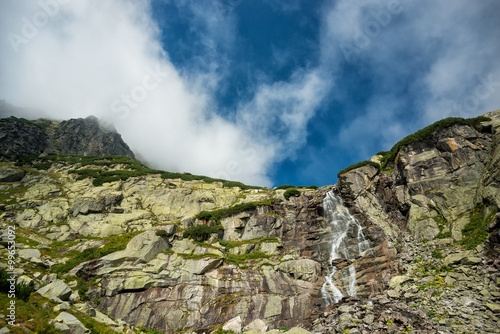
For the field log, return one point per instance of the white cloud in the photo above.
(105, 58)
(440, 51)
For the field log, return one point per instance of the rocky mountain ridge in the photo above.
(20, 137)
(110, 245)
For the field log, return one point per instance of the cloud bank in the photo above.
(105, 58)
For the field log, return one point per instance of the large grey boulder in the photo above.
(29, 253)
(68, 323)
(56, 291)
(142, 247)
(11, 174)
(257, 325)
(233, 325)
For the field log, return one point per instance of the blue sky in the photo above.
(267, 92)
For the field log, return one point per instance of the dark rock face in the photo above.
(86, 137)
(11, 174)
(20, 137)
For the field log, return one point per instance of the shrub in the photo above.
(285, 186)
(200, 232)
(231, 211)
(241, 258)
(291, 192)
(161, 233)
(114, 243)
(358, 165)
(313, 187)
(205, 215)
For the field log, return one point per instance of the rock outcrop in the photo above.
(79, 136)
(435, 184)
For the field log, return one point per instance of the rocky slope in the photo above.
(87, 136)
(110, 245)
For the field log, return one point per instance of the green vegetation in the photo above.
(30, 314)
(161, 233)
(149, 330)
(114, 243)
(437, 254)
(201, 232)
(358, 165)
(22, 291)
(219, 214)
(427, 133)
(285, 186)
(291, 192)
(222, 331)
(474, 233)
(241, 258)
(283, 329)
(132, 168)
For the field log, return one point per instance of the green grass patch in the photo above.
(359, 165)
(232, 210)
(427, 133)
(22, 291)
(30, 314)
(113, 244)
(132, 168)
(474, 233)
(200, 232)
(241, 258)
(437, 254)
(285, 187)
(222, 331)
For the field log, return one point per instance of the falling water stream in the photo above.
(347, 242)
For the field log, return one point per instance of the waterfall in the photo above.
(347, 242)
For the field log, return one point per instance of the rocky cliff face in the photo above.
(20, 137)
(136, 253)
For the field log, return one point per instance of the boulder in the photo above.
(29, 253)
(233, 325)
(201, 266)
(142, 247)
(396, 281)
(56, 291)
(11, 174)
(257, 325)
(68, 323)
(26, 280)
(86, 206)
(495, 308)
